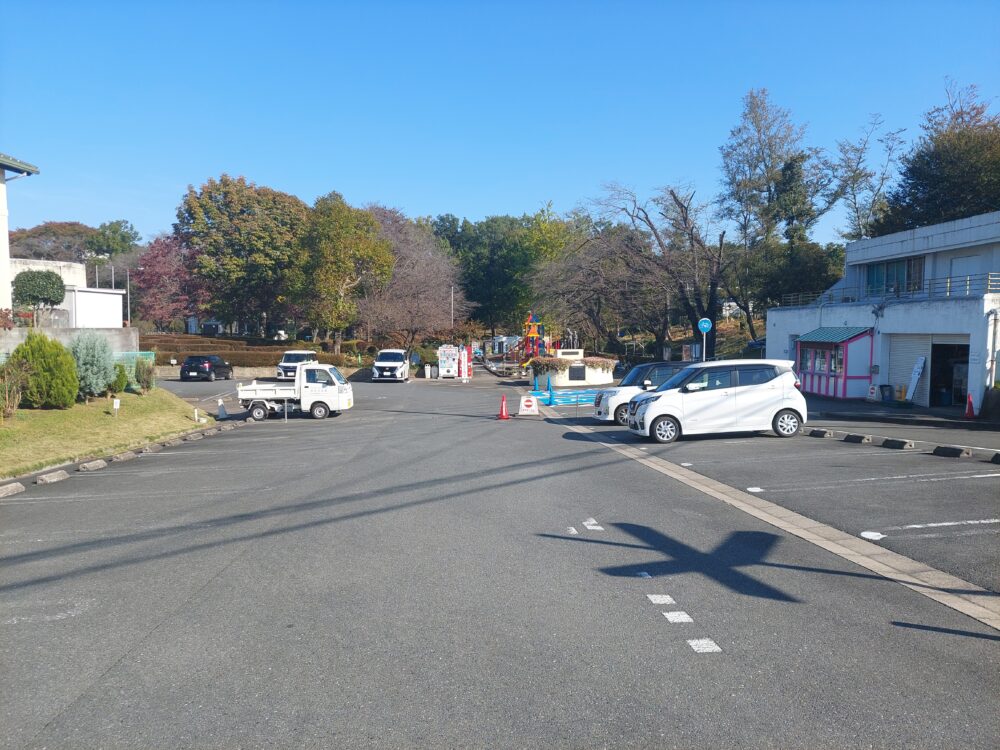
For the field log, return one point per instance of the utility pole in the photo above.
(453, 306)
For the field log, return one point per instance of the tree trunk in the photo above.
(338, 339)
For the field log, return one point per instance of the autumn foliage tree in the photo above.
(165, 288)
(243, 242)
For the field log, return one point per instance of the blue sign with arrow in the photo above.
(704, 325)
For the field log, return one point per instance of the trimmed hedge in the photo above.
(253, 358)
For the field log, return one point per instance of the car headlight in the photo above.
(611, 393)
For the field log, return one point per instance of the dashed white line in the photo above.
(678, 617)
(938, 524)
(660, 598)
(572, 531)
(591, 525)
(687, 464)
(755, 489)
(704, 646)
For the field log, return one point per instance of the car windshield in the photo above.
(195, 360)
(391, 357)
(337, 375)
(635, 376)
(677, 380)
(292, 358)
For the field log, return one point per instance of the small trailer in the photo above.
(318, 389)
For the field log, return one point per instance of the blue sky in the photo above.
(467, 108)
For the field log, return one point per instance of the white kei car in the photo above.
(611, 404)
(737, 395)
(391, 364)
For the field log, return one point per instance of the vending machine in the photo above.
(447, 361)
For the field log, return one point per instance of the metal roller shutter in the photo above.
(904, 348)
(950, 338)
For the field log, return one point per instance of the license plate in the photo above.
(194, 372)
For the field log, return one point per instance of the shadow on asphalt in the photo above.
(946, 631)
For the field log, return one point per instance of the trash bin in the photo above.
(427, 371)
(886, 391)
(434, 371)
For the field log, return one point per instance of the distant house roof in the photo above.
(10, 164)
(833, 335)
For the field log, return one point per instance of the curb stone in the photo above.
(51, 477)
(897, 443)
(6, 490)
(126, 456)
(854, 438)
(93, 465)
(820, 433)
(995, 459)
(953, 451)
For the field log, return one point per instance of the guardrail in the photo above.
(972, 285)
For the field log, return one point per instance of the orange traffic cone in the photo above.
(503, 409)
(970, 412)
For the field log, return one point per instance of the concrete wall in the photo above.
(951, 235)
(72, 274)
(120, 339)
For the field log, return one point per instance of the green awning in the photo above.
(833, 335)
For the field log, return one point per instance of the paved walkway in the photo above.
(861, 410)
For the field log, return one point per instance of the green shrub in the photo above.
(120, 382)
(52, 380)
(145, 375)
(95, 367)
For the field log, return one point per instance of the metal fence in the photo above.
(975, 285)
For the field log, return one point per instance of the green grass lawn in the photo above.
(36, 438)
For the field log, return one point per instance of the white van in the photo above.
(737, 395)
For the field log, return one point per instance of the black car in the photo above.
(206, 367)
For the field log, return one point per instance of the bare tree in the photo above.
(419, 297)
(865, 185)
(686, 262)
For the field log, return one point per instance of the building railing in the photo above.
(971, 285)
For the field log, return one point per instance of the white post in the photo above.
(704, 341)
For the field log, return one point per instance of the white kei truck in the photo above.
(318, 389)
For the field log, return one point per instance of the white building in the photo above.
(17, 169)
(916, 309)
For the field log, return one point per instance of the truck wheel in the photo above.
(319, 410)
(258, 412)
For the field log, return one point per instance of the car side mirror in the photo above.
(693, 387)
(647, 384)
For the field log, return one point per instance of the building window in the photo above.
(895, 277)
(837, 364)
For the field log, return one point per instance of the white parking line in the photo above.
(678, 617)
(943, 476)
(704, 646)
(938, 524)
(591, 525)
(660, 599)
(974, 476)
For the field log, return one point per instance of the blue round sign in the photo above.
(704, 325)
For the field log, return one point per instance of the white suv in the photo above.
(291, 360)
(391, 364)
(737, 395)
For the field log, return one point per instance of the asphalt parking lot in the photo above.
(944, 512)
(417, 573)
